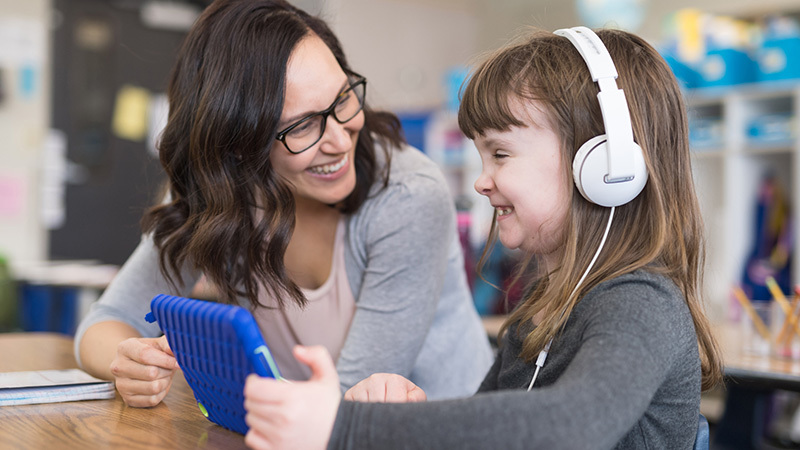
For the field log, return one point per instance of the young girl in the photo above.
(610, 348)
(296, 199)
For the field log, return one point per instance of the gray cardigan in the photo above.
(623, 374)
(414, 312)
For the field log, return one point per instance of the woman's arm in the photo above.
(115, 342)
(98, 347)
(408, 233)
(127, 300)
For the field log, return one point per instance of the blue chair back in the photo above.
(701, 441)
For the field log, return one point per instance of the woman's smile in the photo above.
(332, 170)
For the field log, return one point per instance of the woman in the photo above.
(296, 199)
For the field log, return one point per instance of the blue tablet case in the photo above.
(217, 346)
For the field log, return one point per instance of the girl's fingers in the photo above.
(319, 360)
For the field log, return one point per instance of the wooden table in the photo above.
(747, 368)
(740, 366)
(176, 423)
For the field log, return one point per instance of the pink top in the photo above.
(324, 321)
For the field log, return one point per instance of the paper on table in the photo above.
(51, 386)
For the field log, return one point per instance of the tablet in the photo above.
(217, 346)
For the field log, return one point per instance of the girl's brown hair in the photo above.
(661, 230)
(228, 213)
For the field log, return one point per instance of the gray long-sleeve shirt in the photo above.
(414, 312)
(623, 374)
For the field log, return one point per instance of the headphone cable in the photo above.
(543, 354)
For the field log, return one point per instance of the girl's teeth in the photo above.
(329, 168)
(503, 211)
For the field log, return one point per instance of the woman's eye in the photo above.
(302, 129)
(343, 101)
(498, 155)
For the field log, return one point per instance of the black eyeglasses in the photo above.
(303, 134)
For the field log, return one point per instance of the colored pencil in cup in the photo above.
(754, 317)
(785, 335)
(788, 311)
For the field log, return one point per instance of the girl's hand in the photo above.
(143, 370)
(297, 415)
(385, 388)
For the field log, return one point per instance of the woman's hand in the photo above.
(385, 388)
(143, 370)
(297, 415)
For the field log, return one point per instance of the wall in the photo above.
(404, 47)
(24, 121)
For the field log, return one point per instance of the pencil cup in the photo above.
(757, 337)
(785, 340)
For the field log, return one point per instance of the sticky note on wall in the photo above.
(130, 113)
(12, 196)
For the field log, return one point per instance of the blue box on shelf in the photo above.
(726, 67)
(48, 308)
(771, 128)
(414, 128)
(686, 75)
(706, 133)
(779, 59)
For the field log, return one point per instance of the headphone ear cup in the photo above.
(590, 167)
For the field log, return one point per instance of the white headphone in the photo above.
(609, 169)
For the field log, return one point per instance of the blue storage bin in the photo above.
(48, 308)
(686, 75)
(769, 128)
(414, 128)
(779, 59)
(706, 132)
(726, 67)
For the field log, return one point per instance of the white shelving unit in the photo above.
(729, 170)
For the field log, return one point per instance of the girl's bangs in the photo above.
(485, 104)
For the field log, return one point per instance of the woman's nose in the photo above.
(337, 137)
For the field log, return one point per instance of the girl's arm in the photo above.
(634, 342)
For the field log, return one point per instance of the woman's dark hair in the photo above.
(228, 213)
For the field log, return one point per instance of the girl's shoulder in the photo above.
(640, 295)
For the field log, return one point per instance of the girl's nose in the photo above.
(484, 185)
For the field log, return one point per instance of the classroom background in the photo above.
(82, 103)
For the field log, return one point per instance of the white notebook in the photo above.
(52, 386)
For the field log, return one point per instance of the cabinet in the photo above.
(739, 135)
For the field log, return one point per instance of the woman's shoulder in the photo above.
(416, 193)
(410, 166)
(415, 184)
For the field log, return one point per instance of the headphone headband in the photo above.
(613, 106)
(592, 50)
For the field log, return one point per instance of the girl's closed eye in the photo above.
(499, 155)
